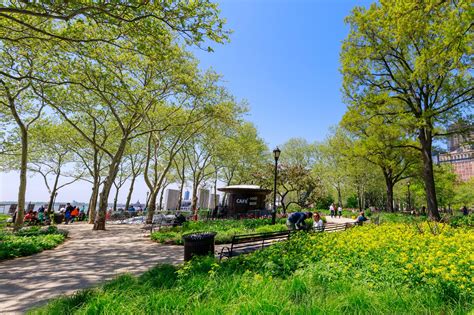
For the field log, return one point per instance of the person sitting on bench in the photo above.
(296, 220)
(318, 223)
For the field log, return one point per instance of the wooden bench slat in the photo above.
(242, 244)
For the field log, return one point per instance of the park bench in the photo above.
(332, 227)
(12, 208)
(243, 244)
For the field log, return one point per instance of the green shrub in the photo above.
(225, 229)
(462, 221)
(12, 246)
(29, 240)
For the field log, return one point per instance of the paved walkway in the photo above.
(339, 220)
(86, 259)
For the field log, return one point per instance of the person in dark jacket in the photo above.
(361, 218)
(295, 220)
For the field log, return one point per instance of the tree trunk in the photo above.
(389, 187)
(180, 197)
(425, 138)
(359, 199)
(116, 197)
(93, 202)
(23, 170)
(53, 193)
(216, 202)
(151, 206)
(99, 223)
(194, 201)
(130, 191)
(339, 195)
(161, 198)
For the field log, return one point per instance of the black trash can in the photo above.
(58, 218)
(198, 244)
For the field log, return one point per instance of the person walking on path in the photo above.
(67, 213)
(339, 211)
(332, 210)
(295, 220)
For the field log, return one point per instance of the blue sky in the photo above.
(284, 59)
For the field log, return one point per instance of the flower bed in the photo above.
(388, 269)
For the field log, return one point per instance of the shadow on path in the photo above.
(85, 259)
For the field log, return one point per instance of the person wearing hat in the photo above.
(295, 220)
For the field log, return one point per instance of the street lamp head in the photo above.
(276, 153)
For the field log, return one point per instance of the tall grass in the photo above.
(286, 279)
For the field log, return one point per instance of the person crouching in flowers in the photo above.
(318, 224)
(361, 218)
(295, 220)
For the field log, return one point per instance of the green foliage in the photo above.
(323, 202)
(409, 65)
(37, 230)
(464, 194)
(462, 221)
(352, 202)
(16, 246)
(389, 269)
(225, 229)
(28, 241)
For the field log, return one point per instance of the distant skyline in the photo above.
(283, 58)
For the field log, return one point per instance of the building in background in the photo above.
(460, 154)
(203, 200)
(172, 199)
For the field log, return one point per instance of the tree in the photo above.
(65, 22)
(136, 159)
(331, 163)
(18, 105)
(464, 193)
(90, 157)
(111, 51)
(239, 155)
(51, 156)
(410, 61)
(123, 174)
(379, 142)
(296, 183)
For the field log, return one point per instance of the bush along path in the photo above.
(387, 269)
(29, 240)
(225, 229)
(87, 258)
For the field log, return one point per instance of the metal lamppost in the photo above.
(409, 197)
(276, 155)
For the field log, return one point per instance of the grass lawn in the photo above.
(225, 229)
(29, 240)
(387, 269)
